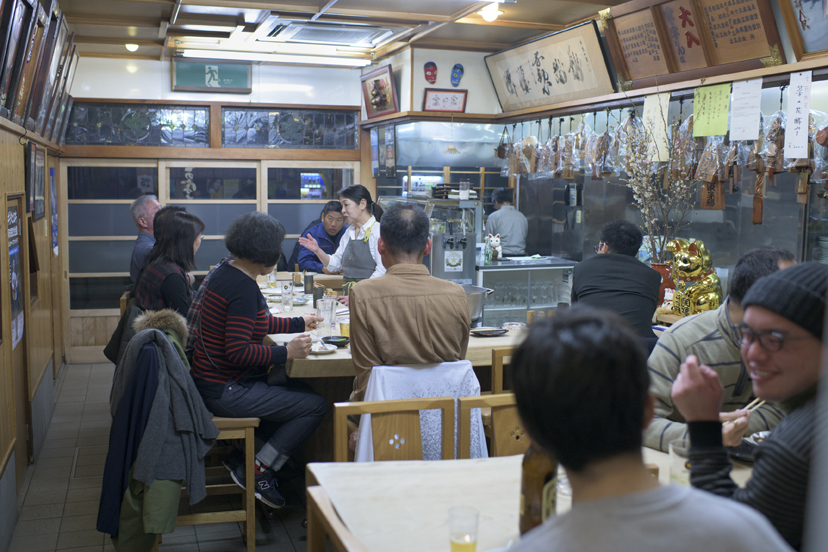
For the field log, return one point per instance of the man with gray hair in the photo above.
(143, 212)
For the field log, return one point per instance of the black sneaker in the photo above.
(265, 485)
(233, 460)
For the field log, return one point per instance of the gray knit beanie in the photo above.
(796, 293)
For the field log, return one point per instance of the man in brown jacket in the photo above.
(406, 316)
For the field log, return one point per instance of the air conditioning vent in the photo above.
(320, 33)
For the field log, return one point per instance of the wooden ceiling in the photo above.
(159, 27)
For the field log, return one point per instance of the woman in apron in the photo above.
(357, 256)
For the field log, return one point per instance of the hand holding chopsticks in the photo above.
(757, 403)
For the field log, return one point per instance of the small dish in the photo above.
(477, 332)
(338, 340)
(315, 351)
(271, 291)
(514, 326)
(300, 300)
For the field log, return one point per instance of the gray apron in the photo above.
(357, 261)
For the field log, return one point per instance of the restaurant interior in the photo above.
(227, 107)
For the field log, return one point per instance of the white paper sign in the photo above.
(745, 109)
(796, 128)
(656, 119)
(453, 261)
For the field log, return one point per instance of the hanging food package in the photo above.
(630, 126)
(569, 157)
(681, 154)
(592, 159)
(606, 154)
(710, 171)
(506, 166)
(731, 164)
(502, 148)
(750, 150)
(805, 167)
(581, 138)
(773, 152)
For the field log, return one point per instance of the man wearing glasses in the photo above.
(781, 344)
(616, 280)
(711, 337)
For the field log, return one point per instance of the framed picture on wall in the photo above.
(31, 161)
(12, 32)
(445, 100)
(379, 92)
(39, 184)
(807, 24)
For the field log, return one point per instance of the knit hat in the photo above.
(796, 293)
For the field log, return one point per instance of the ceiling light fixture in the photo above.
(131, 47)
(275, 58)
(490, 12)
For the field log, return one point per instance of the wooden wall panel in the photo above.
(56, 273)
(40, 311)
(89, 331)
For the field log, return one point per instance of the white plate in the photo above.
(271, 291)
(323, 352)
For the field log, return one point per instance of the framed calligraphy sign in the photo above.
(656, 42)
(445, 100)
(807, 24)
(563, 66)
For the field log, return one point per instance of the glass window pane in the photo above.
(295, 217)
(289, 128)
(291, 183)
(217, 217)
(101, 220)
(138, 125)
(212, 183)
(100, 256)
(210, 253)
(97, 293)
(111, 182)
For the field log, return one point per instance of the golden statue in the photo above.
(698, 288)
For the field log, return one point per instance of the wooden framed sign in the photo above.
(807, 24)
(662, 41)
(563, 66)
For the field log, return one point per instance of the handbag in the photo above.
(500, 150)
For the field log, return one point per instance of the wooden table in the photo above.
(403, 506)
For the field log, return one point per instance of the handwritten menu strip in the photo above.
(681, 20)
(746, 111)
(710, 110)
(799, 101)
(656, 119)
(736, 30)
(640, 47)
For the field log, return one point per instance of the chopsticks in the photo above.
(756, 403)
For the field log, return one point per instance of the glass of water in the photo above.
(287, 295)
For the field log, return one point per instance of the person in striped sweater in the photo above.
(781, 343)
(231, 363)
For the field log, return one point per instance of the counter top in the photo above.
(544, 262)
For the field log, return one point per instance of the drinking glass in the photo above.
(463, 528)
(679, 461)
(465, 186)
(271, 279)
(287, 295)
(326, 310)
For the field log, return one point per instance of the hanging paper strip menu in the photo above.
(799, 101)
(746, 111)
(710, 110)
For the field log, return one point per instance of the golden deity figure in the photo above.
(698, 288)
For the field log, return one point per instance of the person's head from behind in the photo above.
(404, 235)
(501, 197)
(143, 212)
(581, 384)
(782, 331)
(620, 236)
(162, 217)
(756, 263)
(332, 218)
(357, 205)
(179, 241)
(256, 238)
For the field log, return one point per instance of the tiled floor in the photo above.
(60, 492)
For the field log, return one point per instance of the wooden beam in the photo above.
(374, 14)
(96, 19)
(118, 56)
(116, 41)
(462, 45)
(255, 154)
(476, 19)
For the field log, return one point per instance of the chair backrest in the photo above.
(125, 297)
(396, 427)
(508, 434)
(498, 360)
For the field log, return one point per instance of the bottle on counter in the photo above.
(487, 253)
(538, 487)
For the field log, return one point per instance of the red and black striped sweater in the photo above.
(234, 321)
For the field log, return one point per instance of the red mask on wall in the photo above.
(431, 72)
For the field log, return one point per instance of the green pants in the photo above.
(146, 511)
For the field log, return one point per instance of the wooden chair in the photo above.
(508, 436)
(125, 297)
(396, 427)
(498, 360)
(323, 521)
(233, 428)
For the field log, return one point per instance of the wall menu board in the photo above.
(661, 41)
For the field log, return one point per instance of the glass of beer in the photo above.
(680, 462)
(463, 528)
(271, 279)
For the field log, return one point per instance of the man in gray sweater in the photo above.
(581, 384)
(781, 337)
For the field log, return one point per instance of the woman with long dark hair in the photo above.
(164, 282)
(357, 255)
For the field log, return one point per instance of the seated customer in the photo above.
(143, 212)
(327, 233)
(782, 333)
(407, 316)
(507, 221)
(581, 382)
(712, 337)
(231, 363)
(616, 280)
(164, 283)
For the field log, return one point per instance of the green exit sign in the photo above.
(205, 76)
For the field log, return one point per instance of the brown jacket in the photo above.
(406, 317)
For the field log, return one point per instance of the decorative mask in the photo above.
(456, 74)
(431, 72)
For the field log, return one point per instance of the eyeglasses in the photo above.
(769, 340)
(598, 247)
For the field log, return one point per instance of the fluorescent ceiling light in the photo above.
(275, 58)
(131, 47)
